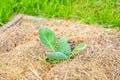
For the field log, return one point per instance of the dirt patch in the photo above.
(99, 61)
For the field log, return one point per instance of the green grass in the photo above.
(104, 12)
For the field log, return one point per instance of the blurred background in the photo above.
(103, 12)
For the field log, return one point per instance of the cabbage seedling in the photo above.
(60, 51)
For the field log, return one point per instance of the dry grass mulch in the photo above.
(99, 61)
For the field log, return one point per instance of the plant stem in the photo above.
(38, 57)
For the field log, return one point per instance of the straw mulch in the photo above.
(99, 61)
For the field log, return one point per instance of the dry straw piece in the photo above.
(100, 60)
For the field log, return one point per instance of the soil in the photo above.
(20, 43)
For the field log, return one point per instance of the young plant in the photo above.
(60, 51)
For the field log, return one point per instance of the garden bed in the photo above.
(19, 42)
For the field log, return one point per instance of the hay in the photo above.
(99, 61)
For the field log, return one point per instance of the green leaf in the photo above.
(78, 48)
(56, 55)
(47, 38)
(63, 46)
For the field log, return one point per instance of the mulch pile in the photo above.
(99, 61)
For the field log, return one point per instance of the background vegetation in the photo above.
(104, 12)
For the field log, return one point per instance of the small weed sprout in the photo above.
(60, 51)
